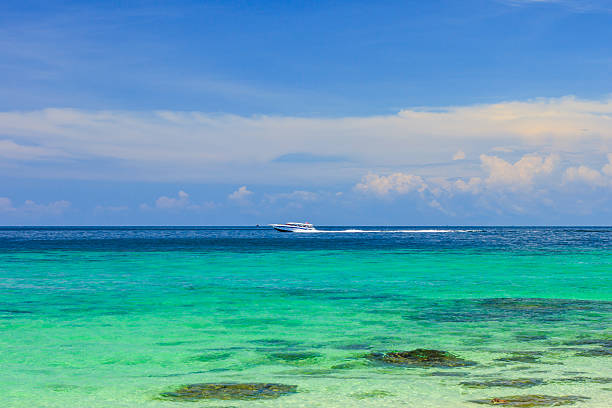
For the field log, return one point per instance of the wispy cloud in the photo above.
(11, 150)
(31, 208)
(228, 148)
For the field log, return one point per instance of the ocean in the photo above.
(128, 317)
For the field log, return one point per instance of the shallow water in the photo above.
(114, 317)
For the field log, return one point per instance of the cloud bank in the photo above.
(516, 157)
(165, 145)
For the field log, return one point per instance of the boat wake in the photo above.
(408, 231)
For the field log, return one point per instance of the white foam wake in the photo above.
(412, 231)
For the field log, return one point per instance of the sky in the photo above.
(473, 112)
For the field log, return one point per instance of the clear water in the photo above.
(113, 317)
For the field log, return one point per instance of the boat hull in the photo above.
(292, 228)
(282, 229)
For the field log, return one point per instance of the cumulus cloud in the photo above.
(607, 169)
(529, 184)
(589, 176)
(520, 174)
(226, 148)
(180, 202)
(397, 182)
(459, 155)
(499, 174)
(473, 185)
(240, 195)
(31, 208)
(584, 174)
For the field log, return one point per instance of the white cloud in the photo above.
(459, 155)
(400, 183)
(229, 148)
(584, 174)
(181, 201)
(474, 185)
(54, 208)
(240, 195)
(31, 208)
(607, 169)
(518, 175)
(499, 174)
(531, 184)
(589, 176)
(11, 150)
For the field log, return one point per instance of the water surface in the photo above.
(114, 317)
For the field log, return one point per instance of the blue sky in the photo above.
(236, 112)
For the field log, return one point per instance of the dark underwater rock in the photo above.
(541, 308)
(309, 371)
(521, 357)
(581, 379)
(448, 374)
(503, 309)
(532, 401)
(516, 383)
(354, 347)
(542, 304)
(596, 352)
(207, 357)
(275, 342)
(295, 357)
(420, 358)
(229, 391)
(350, 365)
(590, 342)
(531, 337)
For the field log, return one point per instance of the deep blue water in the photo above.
(265, 238)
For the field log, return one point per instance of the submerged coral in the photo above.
(420, 358)
(295, 357)
(532, 400)
(229, 391)
(596, 352)
(516, 383)
(521, 357)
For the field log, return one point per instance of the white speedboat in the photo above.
(294, 227)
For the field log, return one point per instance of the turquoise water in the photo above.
(116, 317)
